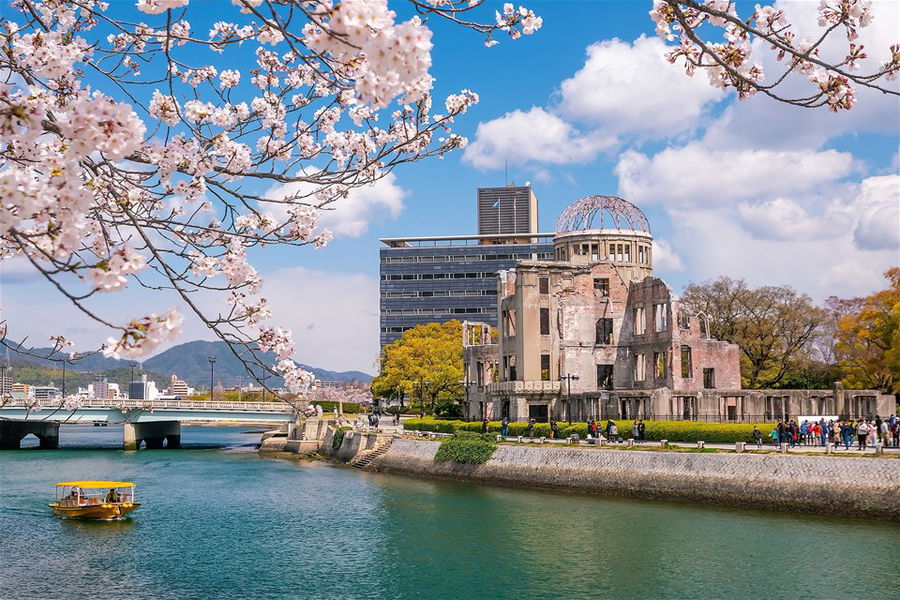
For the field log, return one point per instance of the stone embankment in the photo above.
(861, 487)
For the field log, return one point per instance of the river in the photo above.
(218, 521)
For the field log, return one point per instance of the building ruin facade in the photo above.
(594, 334)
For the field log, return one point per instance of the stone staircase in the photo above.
(365, 458)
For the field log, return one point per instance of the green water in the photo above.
(220, 522)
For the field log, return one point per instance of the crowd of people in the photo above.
(864, 432)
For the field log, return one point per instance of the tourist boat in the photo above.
(103, 500)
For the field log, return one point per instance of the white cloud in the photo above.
(696, 176)
(334, 316)
(665, 258)
(535, 136)
(713, 243)
(878, 206)
(350, 216)
(761, 122)
(784, 219)
(632, 89)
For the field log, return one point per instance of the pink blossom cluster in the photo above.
(277, 340)
(109, 275)
(731, 64)
(156, 148)
(385, 59)
(142, 336)
(154, 7)
(297, 380)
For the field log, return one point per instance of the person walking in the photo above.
(531, 423)
(757, 435)
(776, 436)
(554, 430)
(862, 434)
(634, 430)
(504, 427)
(484, 426)
(642, 429)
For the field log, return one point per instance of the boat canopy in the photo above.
(97, 484)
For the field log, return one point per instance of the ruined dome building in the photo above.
(594, 334)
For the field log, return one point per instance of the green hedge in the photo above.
(467, 447)
(349, 407)
(338, 438)
(675, 431)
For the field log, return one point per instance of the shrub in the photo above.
(448, 410)
(349, 407)
(467, 447)
(674, 431)
(338, 438)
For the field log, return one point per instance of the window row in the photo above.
(615, 251)
(458, 258)
(439, 293)
(430, 276)
(438, 311)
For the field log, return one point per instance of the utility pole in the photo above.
(212, 363)
(569, 379)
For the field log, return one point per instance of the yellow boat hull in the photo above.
(102, 511)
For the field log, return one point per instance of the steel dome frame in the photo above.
(614, 213)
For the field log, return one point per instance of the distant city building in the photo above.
(439, 278)
(6, 384)
(100, 389)
(143, 389)
(23, 389)
(178, 387)
(45, 392)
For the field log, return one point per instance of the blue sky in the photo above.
(755, 190)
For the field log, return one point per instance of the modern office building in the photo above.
(507, 210)
(439, 278)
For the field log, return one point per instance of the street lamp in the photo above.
(569, 379)
(212, 362)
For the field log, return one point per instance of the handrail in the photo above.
(162, 404)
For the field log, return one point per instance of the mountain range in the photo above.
(189, 361)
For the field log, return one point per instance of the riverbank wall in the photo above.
(855, 487)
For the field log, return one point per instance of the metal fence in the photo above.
(280, 407)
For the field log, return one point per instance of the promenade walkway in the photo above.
(652, 444)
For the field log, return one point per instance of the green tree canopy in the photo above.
(426, 361)
(774, 326)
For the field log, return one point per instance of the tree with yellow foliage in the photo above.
(425, 362)
(868, 343)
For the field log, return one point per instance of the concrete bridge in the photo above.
(156, 423)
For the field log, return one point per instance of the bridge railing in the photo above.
(163, 404)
